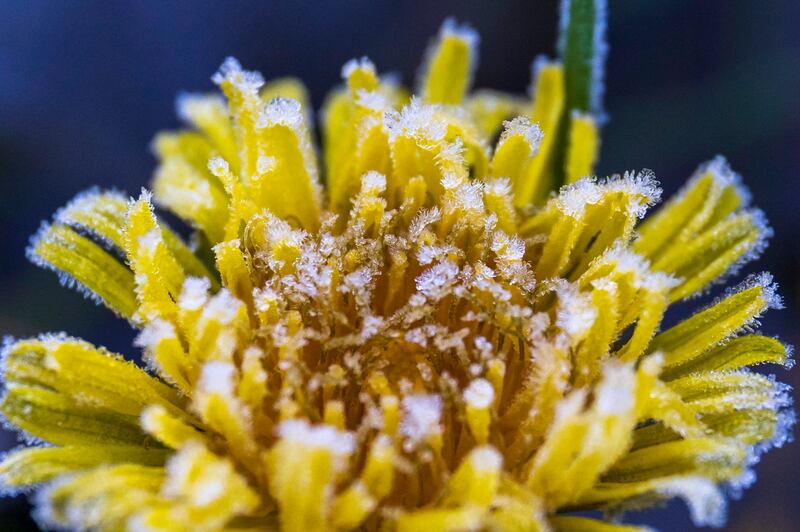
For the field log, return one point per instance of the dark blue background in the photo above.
(84, 86)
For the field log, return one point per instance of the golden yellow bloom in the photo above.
(431, 340)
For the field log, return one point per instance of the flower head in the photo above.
(430, 340)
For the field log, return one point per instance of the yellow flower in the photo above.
(430, 341)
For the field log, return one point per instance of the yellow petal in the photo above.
(168, 428)
(189, 193)
(290, 188)
(548, 106)
(209, 114)
(518, 143)
(81, 263)
(450, 63)
(89, 375)
(58, 419)
(302, 466)
(102, 499)
(476, 480)
(489, 109)
(35, 465)
(584, 143)
(734, 354)
(692, 337)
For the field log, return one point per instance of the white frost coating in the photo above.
(783, 432)
(145, 195)
(451, 28)
(7, 490)
(217, 377)
(606, 285)
(705, 501)
(568, 408)
(769, 291)
(362, 63)
(194, 294)
(371, 326)
(278, 231)
(153, 333)
(470, 196)
(434, 281)
(484, 346)
(499, 187)
(422, 220)
(599, 59)
(451, 153)
(359, 279)
(223, 307)
(416, 120)
(657, 282)
(790, 361)
(265, 164)
(420, 335)
(486, 458)
(373, 183)
(734, 487)
(483, 279)
(462, 194)
(641, 188)
(723, 177)
(190, 476)
(764, 232)
(218, 167)
(508, 248)
(43, 512)
(575, 314)
(781, 396)
(451, 181)
(421, 416)
(522, 125)
(244, 80)
(479, 394)
(373, 100)
(319, 436)
(615, 394)
(150, 418)
(573, 199)
(83, 202)
(281, 111)
(628, 261)
(426, 254)
(191, 107)
(150, 241)
(5, 351)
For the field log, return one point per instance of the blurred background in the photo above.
(84, 86)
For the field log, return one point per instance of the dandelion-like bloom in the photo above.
(431, 341)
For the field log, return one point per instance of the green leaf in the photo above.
(582, 48)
